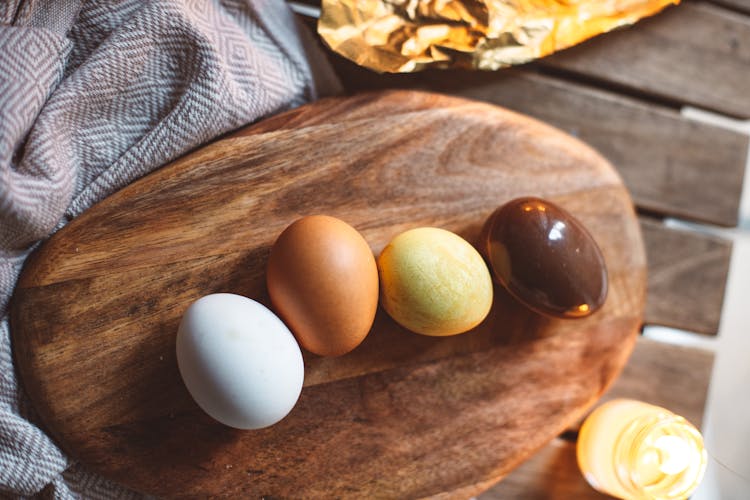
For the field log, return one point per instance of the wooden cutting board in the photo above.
(96, 310)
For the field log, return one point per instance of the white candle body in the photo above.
(634, 450)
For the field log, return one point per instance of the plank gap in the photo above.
(570, 435)
(651, 215)
(311, 3)
(735, 6)
(675, 336)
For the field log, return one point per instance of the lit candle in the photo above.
(633, 450)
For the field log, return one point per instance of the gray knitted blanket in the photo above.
(95, 94)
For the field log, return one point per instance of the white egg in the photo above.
(239, 361)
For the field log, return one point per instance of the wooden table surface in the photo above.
(622, 93)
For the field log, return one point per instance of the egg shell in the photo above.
(239, 361)
(434, 282)
(545, 258)
(323, 282)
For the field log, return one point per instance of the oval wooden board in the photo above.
(97, 307)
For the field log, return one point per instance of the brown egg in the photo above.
(323, 282)
(545, 258)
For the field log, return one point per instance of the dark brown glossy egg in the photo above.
(545, 258)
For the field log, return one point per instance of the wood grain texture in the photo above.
(682, 373)
(687, 277)
(694, 53)
(671, 165)
(97, 307)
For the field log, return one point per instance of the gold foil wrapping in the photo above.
(410, 35)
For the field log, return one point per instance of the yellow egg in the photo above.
(434, 282)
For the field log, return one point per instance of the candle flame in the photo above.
(675, 454)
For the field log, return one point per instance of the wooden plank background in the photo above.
(695, 54)
(622, 93)
(683, 374)
(686, 278)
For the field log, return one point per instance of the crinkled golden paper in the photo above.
(410, 35)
